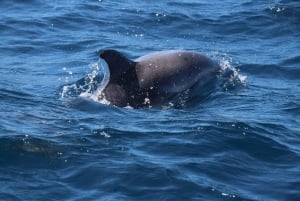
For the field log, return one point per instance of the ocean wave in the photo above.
(238, 140)
(271, 70)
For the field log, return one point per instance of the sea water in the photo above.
(238, 142)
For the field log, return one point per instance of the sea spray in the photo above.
(90, 86)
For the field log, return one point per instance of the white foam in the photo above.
(66, 90)
(225, 64)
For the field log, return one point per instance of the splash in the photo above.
(226, 65)
(95, 93)
(229, 76)
(275, 7)
(91, 86)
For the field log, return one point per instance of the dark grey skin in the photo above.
(151, 80)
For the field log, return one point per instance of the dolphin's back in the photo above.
(173, 71)
(154, 78)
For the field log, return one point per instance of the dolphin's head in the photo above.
(117, 63)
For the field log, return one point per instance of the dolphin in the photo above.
(153, 79)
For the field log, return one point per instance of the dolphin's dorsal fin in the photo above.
(117, 63)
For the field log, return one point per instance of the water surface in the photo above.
(241, 142)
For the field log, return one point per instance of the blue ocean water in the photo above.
(239, 142)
